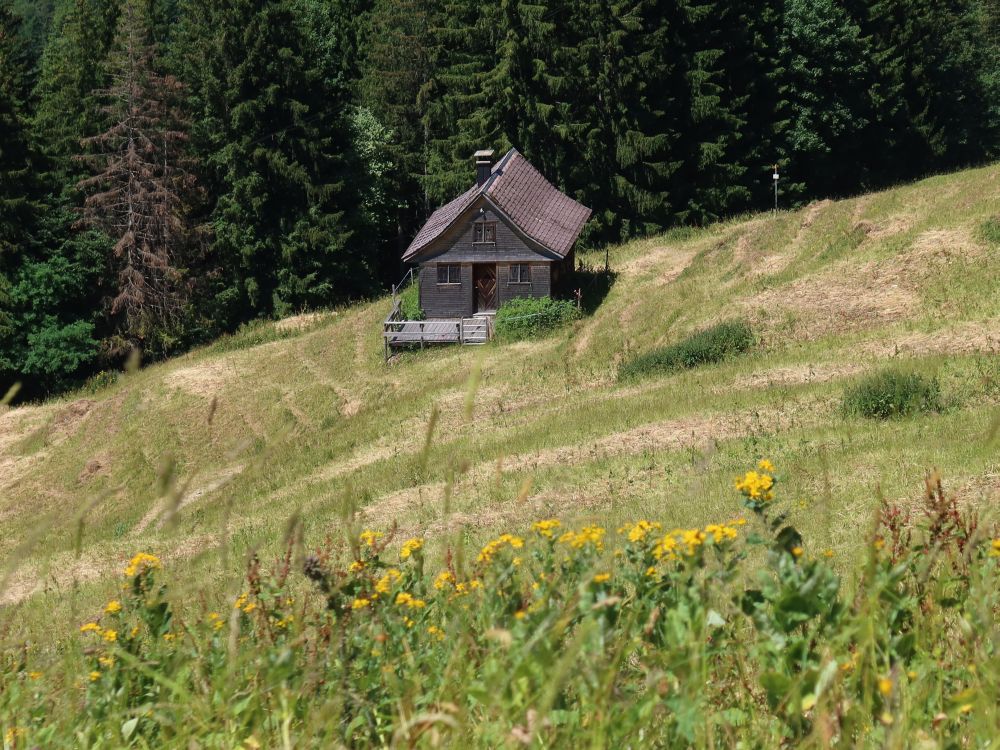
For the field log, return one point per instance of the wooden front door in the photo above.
(484, 279)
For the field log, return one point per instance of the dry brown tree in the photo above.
(142, 187)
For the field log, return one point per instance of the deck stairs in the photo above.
(476, 330)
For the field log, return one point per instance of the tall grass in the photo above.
(737, 633)
(703, 347)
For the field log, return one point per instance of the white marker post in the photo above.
(775, 180)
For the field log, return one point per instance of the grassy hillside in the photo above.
(202, 459)
(539, 598)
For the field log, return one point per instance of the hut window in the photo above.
(449, 274)
(520, 273)
(484, 232)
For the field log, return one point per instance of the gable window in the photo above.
(484, 233)
(520, 273)
(449, 273)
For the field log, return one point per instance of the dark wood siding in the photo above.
(540, 286)
(457, 246)
(445, 300)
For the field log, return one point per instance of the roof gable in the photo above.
(525, 197)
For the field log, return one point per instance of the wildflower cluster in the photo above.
(773, 646)
(489, 551)
(757, 487)
(546, 528)
(142, 563)
(592, 536)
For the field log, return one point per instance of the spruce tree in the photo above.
(934, 56)
(49, 311)
(16, 208)
(70, 73)
(827, 80)
(274, 137)
(141, 186)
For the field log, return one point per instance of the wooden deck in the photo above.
(423, 332)
(398, 333)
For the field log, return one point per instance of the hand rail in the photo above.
(407, 278)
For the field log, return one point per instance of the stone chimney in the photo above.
(484, 165)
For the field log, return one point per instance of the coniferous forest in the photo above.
(172, 169)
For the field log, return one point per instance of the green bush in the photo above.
(991, 230)
(524, 317)
(892, 393)
(704, 347)
(410, 302)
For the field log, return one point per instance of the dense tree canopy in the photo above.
(284, 152)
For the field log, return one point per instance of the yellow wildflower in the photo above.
(602, 577)
(113, 607)
(95, 676)
(593, 535)
(385, 583)
(360, 603)
(828, 553)
(885, 686)
(995, 548)
(435, 631)
(444, 578)
(665, 548)
(640, 530)
(797, 551)
(965, 708)
(410, 546)
(169, 636)
(766, 465)
(140, 563)
(216, 619)
(135, 632)
(879, 543)
(34, 675)
(370, 537)
(520, 614)
(755, 486)
(110, 636)
(692, 539)
(491, 548)
(106, 661)
(650, 571)
(546, 528)
(356, 566)
(405, 599)
(90, 627)
(721, 533)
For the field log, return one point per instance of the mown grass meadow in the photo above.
(297, 436)
(740, 633)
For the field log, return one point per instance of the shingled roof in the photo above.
(531, 202)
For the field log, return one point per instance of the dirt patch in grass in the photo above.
(64, 571)
(95, 467)
(300, 322)
(967, 338)
(204, 380)
(843, 299)
(696, 431)
(883, 228)
(789, 376)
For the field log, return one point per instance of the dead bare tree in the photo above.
(142, 187)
